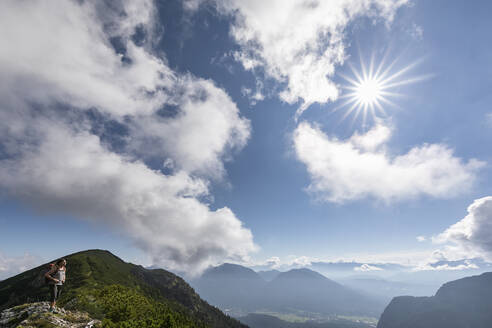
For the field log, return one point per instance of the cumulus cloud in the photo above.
(205, 129)
(300, 261)
(473, 234)
(162, 213)
(360, 167)
(54, 159)
(367, 267)
(421, 239)
(77, 64)
(298, 43)
(12, 265)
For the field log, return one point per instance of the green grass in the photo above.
(19, 308)
(42, 323)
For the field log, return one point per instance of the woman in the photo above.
(56, 277)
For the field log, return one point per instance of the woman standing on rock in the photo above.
(56, 278)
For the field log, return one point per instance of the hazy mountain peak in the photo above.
(302, 273)
(231, 270)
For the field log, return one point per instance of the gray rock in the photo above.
(36, 314)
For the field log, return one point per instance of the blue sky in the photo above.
(238, 153)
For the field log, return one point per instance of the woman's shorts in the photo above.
(55, 291)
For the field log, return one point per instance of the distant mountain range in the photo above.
(102, 284)
(461, 303)
(341, 268)
(129, 295)
(355, 266)
(385, 290)
(241, 290)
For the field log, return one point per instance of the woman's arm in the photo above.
(49, 273)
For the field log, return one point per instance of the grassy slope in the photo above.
(89, 271)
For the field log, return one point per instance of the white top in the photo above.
(60, 275)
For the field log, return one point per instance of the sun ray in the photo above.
(369, 89)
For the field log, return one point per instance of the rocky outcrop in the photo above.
(37, 315)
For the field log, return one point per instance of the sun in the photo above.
(368, 91)
(371, 90)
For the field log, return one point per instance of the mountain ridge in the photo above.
(460, 303)
(302, 289)
(94, 272)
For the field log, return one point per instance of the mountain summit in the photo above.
(231, 286)
(229, 271)
(118, 292)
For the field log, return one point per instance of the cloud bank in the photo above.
(361, 167)
(449, 260)
(296, 42)
(472, 235)
(81, 118)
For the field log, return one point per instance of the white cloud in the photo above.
(76, 64)
(301, 261)
(360, 167)
(297, 42)
(366, 267)
(473, 234)
(421, 238)
(12, 265)
(204, 130)
(71, 172)
(372, 139)
(54, 162)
